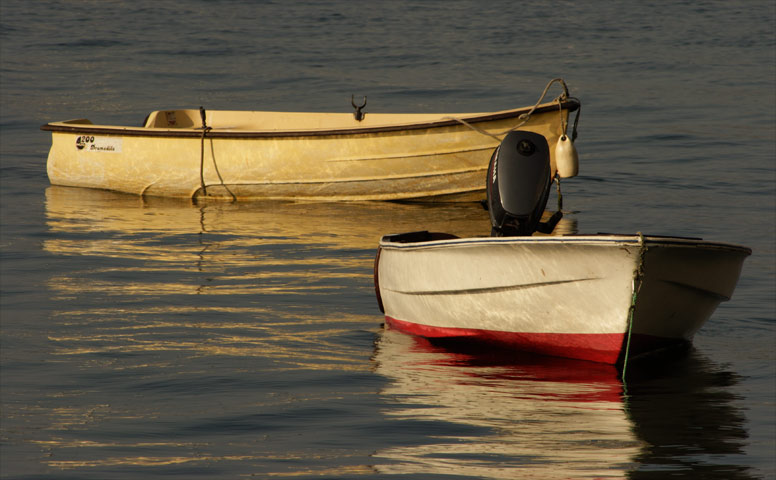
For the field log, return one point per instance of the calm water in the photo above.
(154, 338)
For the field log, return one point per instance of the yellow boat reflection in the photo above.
(339, 225)
(220, 275)
(241, 258)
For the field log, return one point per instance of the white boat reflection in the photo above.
(532, 418)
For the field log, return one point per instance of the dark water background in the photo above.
(159, 339)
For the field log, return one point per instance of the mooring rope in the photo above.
(202, 161)
(637, 275)
(479, 130)
(576, 118)
(205, 129)
(524, 116)
(218, 172)
(202, 184)
(564, 125)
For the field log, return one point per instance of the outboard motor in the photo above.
(518, 185)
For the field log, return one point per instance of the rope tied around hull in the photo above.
(205, 129)
(638, 274)
(202, 183)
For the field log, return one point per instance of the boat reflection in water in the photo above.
(249, 279)
(496, 415)
(492, 416)
(267, 310)
(152, 228)
(688, 413)
(350, 224)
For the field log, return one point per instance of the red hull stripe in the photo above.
(595, 347)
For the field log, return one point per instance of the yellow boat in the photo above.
(244, 155)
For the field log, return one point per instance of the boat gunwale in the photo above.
(60, 127)
(634, 240)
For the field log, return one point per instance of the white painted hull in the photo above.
(288, 155)
(567, 296)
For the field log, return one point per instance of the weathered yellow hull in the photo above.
(302, 156)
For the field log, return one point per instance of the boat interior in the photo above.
(285, 121)
(417, 237)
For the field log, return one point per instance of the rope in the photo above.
(564, 125)
(202, 184)
(202, 160)
(560, 195)
(479, 130)
(218, 172)
(525, 116)
(205, 129)
(636, 288)
(576, 118)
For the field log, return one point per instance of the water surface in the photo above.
(157, 338)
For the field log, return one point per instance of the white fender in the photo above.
(566, 158)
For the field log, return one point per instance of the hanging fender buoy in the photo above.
(566, 158)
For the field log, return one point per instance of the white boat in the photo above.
(603, 298)
(241, 155)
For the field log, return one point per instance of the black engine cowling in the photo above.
(518, 184)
